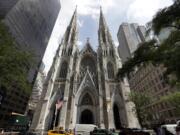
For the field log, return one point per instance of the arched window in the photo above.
(87, 100)
(110, 70)
(64, 69)
(88, 62)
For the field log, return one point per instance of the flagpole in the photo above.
(54, 124)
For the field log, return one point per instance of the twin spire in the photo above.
(103, 32)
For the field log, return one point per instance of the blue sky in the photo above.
(115, 12)
(88, 29)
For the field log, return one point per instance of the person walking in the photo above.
(178, 128)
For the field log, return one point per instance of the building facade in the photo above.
(6, 6)
(148, 79)
(85, 82)
(14, 100)
(31, 23)
(129, 37)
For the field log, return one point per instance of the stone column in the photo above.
(44, 112)
(101, 111)
(72, 114)
(63, 114)
(40, 117)
(110, 114)
(129, 106)
(100, 98)
(62, 122)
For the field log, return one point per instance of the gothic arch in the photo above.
(51, 115)
(117, 119)
(86, 117)
(86, 101)
(63, 70)
(86, 97)
(88, 61)
(110, 70)
(119, 111)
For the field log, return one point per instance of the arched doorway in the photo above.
(87, 110)
(117, 120)
(86, 117)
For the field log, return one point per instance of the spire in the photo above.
(102, 22)
(74, 17)
(71, 31)
(103, 33)
(88, 48)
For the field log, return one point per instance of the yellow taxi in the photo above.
(60, 131)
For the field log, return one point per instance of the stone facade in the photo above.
(151, 79)
(86, 81)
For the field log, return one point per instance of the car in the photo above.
(169, 128)
(133, 131)
(59, 132)
(97, 131)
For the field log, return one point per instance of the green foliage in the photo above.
(167, 52)
(141, 100)
(168, 17)
(174, 99)
(144, 54)
(14, 63)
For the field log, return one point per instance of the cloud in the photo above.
(115, 11)
(80, 22)
(116, 43)
(79, 43)
(142, 11)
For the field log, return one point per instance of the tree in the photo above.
(169, 17)
(14, 63)
(174, 99)
(167, 52)
(141, 100)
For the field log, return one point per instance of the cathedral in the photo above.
(85, 81)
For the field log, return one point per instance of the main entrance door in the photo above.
(117, 120)
(86, 117)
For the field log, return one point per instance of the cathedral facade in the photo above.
(86, 82)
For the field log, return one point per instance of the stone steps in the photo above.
(84, 129)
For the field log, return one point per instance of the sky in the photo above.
(115, 12)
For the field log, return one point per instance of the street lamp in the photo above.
(17, 120)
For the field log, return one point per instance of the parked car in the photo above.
(129, 131)
(97, 131)
(169, 129)
(59, 132)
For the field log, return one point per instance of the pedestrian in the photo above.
(178, 128)
(2, 131)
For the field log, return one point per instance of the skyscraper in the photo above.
(129, 36)
(31, 23)
(6, 6)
